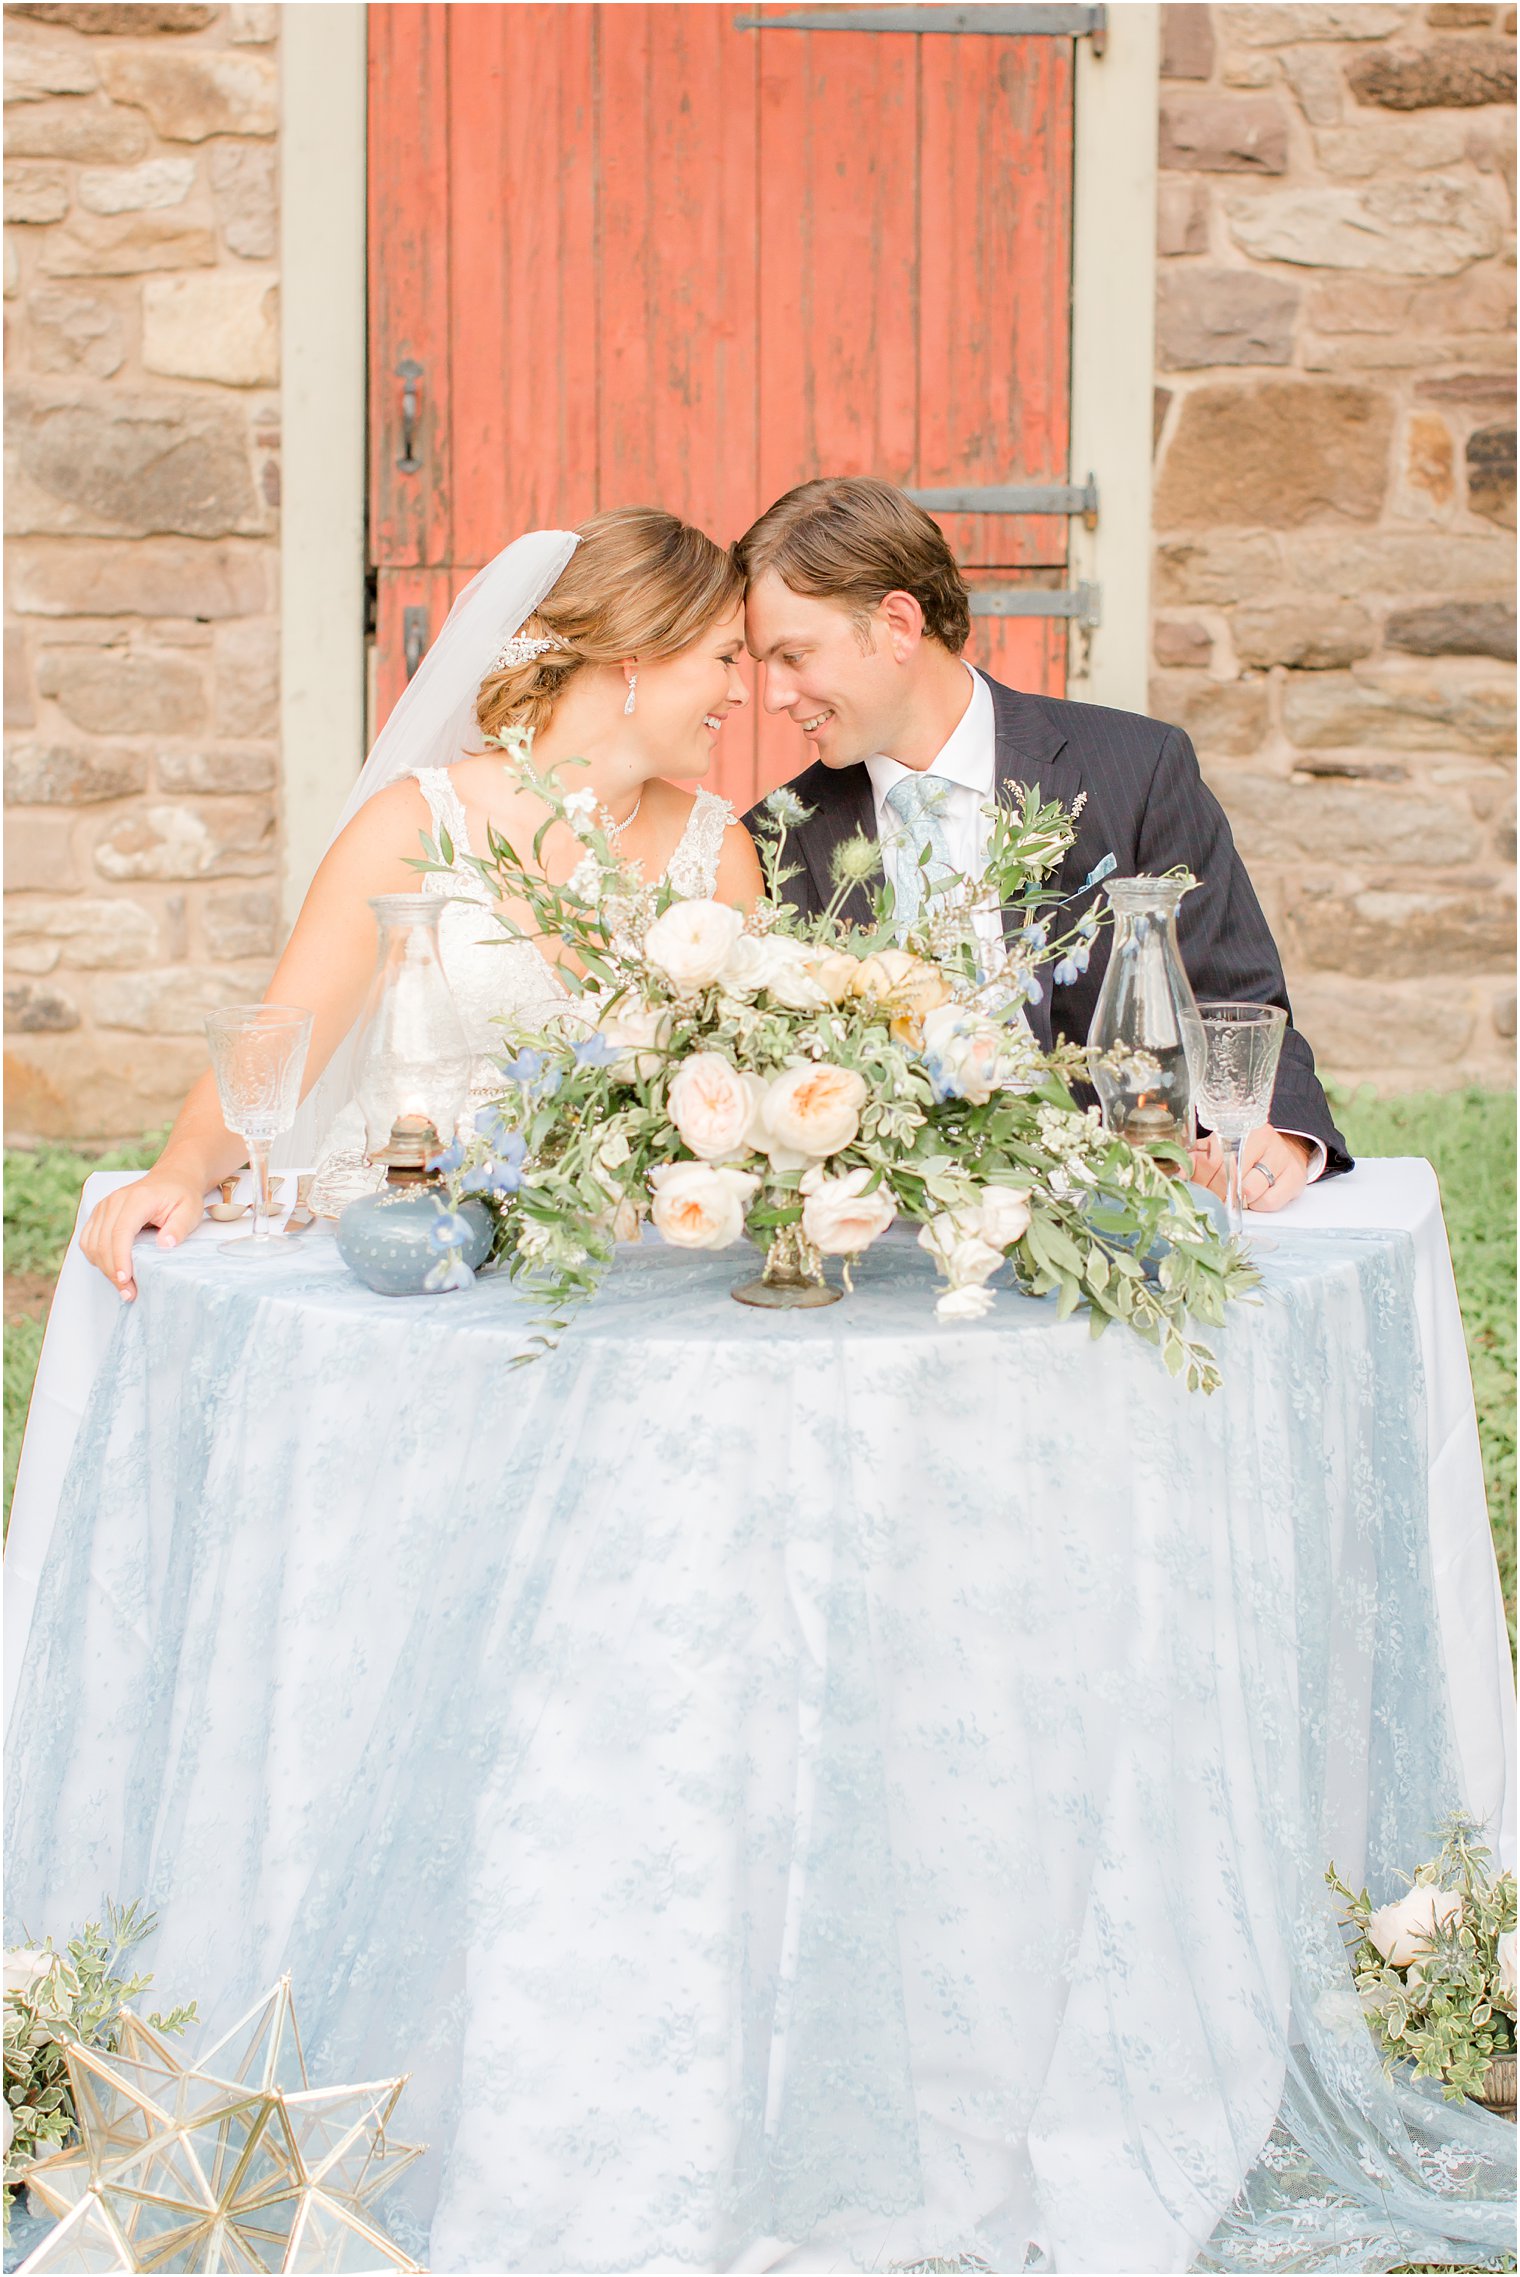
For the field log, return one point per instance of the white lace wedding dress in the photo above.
(501, 987)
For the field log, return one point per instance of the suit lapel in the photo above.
(1031, 749)
(848, 808)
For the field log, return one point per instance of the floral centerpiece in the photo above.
(1436, 1967)
(806, 1083)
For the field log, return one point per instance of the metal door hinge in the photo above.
(1008, 23)
(414, 638)
(1015, 498)
(1084, 602)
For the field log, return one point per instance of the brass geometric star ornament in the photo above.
(234, 2163)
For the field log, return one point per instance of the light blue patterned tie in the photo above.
(915, 805)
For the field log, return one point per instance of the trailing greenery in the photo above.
(57, 2000)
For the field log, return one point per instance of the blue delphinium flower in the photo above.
(449, 1230)
(450, 1159)
(534, 1072)
(1066, 972)
(1034, 938)
(450, 1272)
(944, 1084)
(1034, 989)
(502, 1174)
(594, 1051)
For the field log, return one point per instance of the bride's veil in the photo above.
(432, 725)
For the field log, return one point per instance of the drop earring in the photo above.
(633, 691)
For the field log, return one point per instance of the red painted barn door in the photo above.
(637, 253)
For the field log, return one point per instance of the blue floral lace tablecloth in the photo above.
(808, 1791)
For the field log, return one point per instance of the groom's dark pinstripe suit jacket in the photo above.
(1148, 806)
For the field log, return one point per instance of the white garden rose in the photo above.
(969, 1055)
(1401, 1931)
(968, 1303)
(640, 1035)
(1003, 1215)
(954, 1241)
(691, 943)
(710, 1105)
(23, 1967)
(1507, 1963)
(839, 1217)
(700, 1205)
(812, 1111)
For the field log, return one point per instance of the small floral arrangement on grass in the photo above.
(1436, 1968)
(55, 2000)
(808, 1082)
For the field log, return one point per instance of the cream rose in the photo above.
(639, 1036)
(839, 1217)
(1507, 1963)
(813, 1110)
(1003, 1215)
(1402, 1931)
(23, 1967)
(833, 973)
(625, 1221)
(954, 1241)
(710, 1105)
(692, 941)
(700, 1205)
(772, 962)
(908, 986)
(967, 1303)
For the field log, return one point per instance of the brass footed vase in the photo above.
(793, 1277)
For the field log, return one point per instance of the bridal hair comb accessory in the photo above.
(523, 647)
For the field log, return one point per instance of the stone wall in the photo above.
(1334, 618)
(142, 492)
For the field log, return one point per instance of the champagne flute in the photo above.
(258, 1052)
(1236, 1070)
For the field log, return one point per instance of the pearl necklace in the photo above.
(616, 829)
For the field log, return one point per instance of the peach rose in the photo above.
(700, 1205)
(811, 1111)
(639, 1036)
(710, 1105)
(839, 1217)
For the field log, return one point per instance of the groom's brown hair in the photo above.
(852, 539)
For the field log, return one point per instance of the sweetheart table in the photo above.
(804, 1791)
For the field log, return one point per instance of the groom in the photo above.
(858, 612)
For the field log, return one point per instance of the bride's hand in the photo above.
(168, 1198)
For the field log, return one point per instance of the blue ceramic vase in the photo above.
(386, 1238)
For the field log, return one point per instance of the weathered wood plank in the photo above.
(409, 276)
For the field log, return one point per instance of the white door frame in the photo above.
(323, 390)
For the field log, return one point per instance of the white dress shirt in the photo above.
(967, 766)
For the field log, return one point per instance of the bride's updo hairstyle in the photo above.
(640, 583)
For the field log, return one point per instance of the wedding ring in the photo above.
(1269, 1175)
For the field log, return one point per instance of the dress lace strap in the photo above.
(446, 809)
(693, 867)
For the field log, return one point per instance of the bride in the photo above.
(617, 644)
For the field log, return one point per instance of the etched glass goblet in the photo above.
(1236, 1054)
(258, 1054)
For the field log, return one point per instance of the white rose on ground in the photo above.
(710, 1105)
(23, 1967)
(691, 943)
(839, 1217)
(969, 1303)
(969, 1055)
(812, 1111)
(1507, 1963)
(1003, 1215)
(953, 1240)
(1401, 1931)
(700, 1205)
(640, 1035)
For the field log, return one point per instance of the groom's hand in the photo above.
(1266, 1151)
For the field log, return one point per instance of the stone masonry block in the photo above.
(1224, 134)
(219, 838)
(114, 692)
(86, 128)
(191, 94)
(161, 464)
(1310, 634)
(1430, 227)
(1446, 75)
(215, 326)
(42, 774)
(148, 577)
(1223, 316)
(1276, 453)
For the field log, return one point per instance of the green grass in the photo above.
(1468, 1135)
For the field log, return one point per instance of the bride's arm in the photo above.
(324, 969)
(739, 879)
